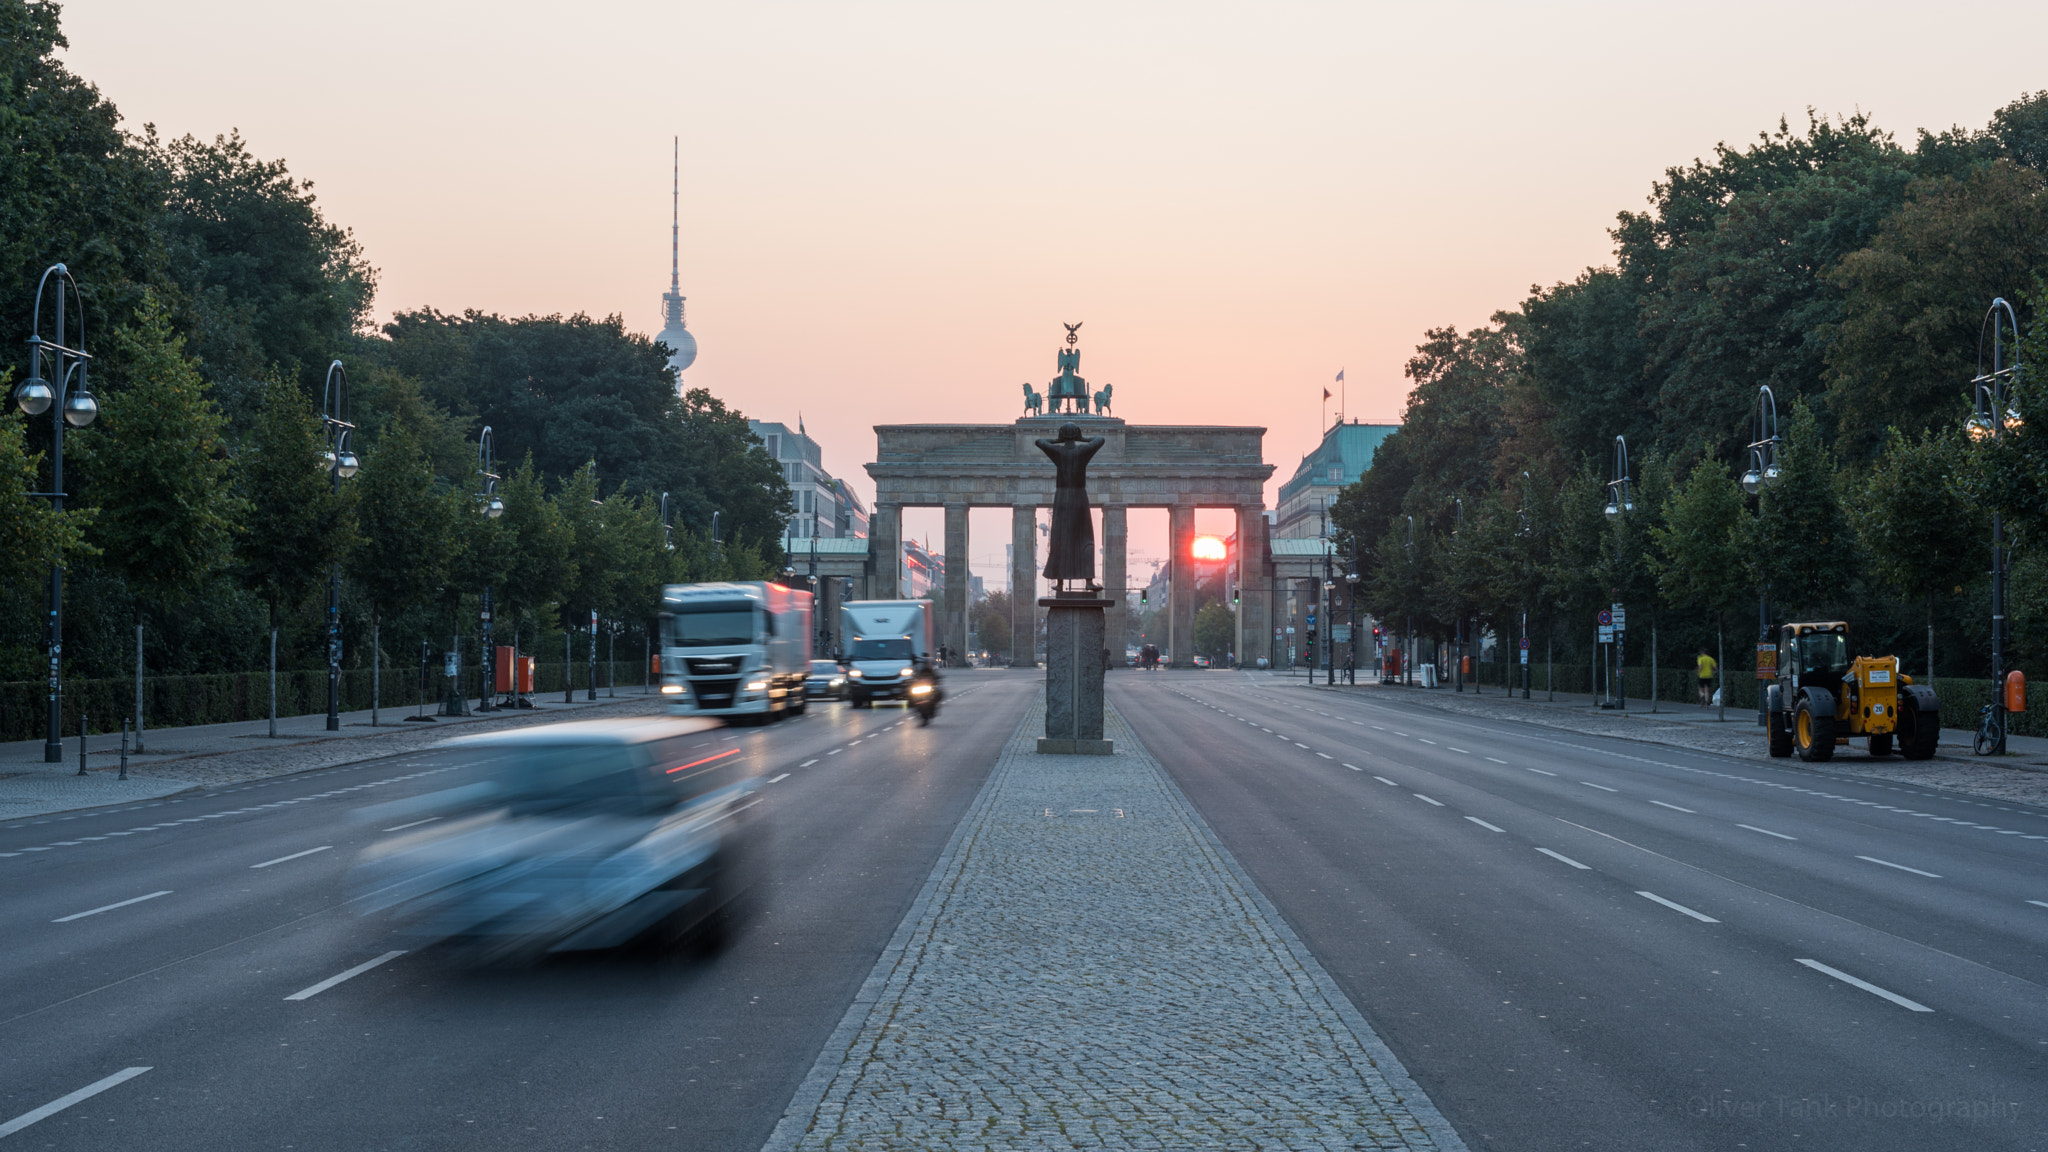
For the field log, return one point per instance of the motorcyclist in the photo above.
(925, 691)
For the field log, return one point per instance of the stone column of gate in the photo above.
(1181, 591)
(1254, 627)
(1115, 538)
(958, 581)
(885, 552)
(1024, 585)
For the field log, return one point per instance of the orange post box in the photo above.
(2015, 691)
(526, 673)
(501, 670)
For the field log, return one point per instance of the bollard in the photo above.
(81, 744)
(124, 748)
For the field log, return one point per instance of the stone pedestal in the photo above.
(1074, 638)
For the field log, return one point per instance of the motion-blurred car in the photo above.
(826, 681)
(1201, 661)
(581, 835)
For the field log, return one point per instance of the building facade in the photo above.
(1345, 453)
(825, 507)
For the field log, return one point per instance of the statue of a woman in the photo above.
(1070, 555)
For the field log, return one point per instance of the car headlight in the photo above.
(907, 672)
(855, 674)
(838, 680)
(757, 685)
(671, 689)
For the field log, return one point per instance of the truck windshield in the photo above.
(1827, 652)
(706, 625)
(897, 649)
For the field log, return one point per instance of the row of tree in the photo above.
(216, 295)
(1847, 272)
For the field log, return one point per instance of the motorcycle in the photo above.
(925, 695)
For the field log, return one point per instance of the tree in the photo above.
(1215, 631)
(157, 475)
(540, 568)
(992, 625)
(1801, 543)
(32, 537)
(728, 470)
(297, 527)
(408, 536)
(1915, 521)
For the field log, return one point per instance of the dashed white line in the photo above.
(1541, 772)
(1324, 755)
(1427, 800)
(331, 981)
(1425, 739)
(835, 752)
(1297, 743)
(780, 779)
(1900, 867)
(2039, 903)
(109, 907)
(1484, 824)
(1566, 859)
(1674, 807)
(63, 1102)
(293, 856)
(1460, 750)
(1768, 832)
(1384, 780)
(414, 824)
(1677, 907)
(807, 763)
(1873, 989)
(1354, 767)
(1496, 761)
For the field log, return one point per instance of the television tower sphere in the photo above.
(681, 343)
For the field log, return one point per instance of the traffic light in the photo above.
(1144, 595)
(1233, 599)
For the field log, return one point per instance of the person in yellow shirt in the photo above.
(1707, 666)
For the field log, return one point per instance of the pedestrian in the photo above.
(1706, 674)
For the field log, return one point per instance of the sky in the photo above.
(889, 209)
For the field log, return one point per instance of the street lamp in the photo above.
(77, 409)
(491, 507)
(1329, 631)
(1994, 415)
(1620, 502)
(1458, 629)
(1763, 473)
(1408, 650)
(341, 464)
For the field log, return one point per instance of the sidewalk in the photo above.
(212, 754)
(2021, 775)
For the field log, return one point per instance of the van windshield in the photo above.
(897, 649)
(712, 624)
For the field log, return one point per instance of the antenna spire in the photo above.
(675, 228)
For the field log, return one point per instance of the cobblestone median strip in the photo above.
(1087, 967)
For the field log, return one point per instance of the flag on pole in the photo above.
(1326, 393)
(1340, 375)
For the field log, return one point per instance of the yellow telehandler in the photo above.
(1822, 698)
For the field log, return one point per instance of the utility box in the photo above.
(502, 670)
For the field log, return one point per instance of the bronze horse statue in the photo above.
(1033, 402)
(1102, 399)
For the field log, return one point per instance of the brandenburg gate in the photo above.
(1176, 467)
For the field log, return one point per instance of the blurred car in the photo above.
(826, 681)
(581, 835)
(1201, 661)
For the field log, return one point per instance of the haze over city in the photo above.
(888, 209)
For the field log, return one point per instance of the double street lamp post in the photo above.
(66, 406)
(491, 507)
(1620, 502)
(1763, 473)
(341, 464)
(1994, 415)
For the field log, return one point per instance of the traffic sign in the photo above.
(1525, 643)
(1606, 618)
(1606, 633)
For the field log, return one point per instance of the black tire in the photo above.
(1780, 728)
(1813, 726)
(1881, 745)
(1919, 727)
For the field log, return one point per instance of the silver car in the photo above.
(580, 835)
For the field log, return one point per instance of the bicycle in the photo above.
(1990, 738)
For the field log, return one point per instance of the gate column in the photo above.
(958, 581)
(1254, 623)
(1024, 585)
(1180, 596)
(885, 552)
(1115, 538)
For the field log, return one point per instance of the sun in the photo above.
(1208, 548)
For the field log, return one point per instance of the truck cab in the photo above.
(886, 641)
(736, 649)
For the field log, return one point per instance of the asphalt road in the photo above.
(169, 936)
(1576, 942)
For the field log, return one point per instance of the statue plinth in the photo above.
(1074, 656)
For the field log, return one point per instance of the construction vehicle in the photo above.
(1822, 699)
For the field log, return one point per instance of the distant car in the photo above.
(580, 835)
(1201, 661)
(826, 681)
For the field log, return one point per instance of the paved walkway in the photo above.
(1087, 967)
(205, 754)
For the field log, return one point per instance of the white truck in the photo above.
(885, 641)
(735, 649)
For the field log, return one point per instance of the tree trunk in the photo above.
(1720, 667)
(1930, 639)
(1653, 661)
(568, 665)
(273, 672)
(376, 668)
(138, 679)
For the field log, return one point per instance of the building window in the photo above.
(774, 446)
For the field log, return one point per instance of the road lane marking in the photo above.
(1354, 767)
(414, 824)
(1873, 989)
(1541, 772)
(1384, 780)
(807, 763)
(63, 1102)
(109, 907)
(331, 981)
(780, 779)
(835, 752)
(1297, 743)
(293, 856)
(2040, 903)
(1674, 807)
(1602, 787)
(1566, 859)
(1484, 824)
(1325, 755)
(1677, 907)
(1496, 761)
(1779, 835)
(1900, 867)
(1425, 739)
(1458, 750)
(1427, 800)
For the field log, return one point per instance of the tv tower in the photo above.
(681, 345)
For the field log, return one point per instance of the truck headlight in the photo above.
(907, 672)
(671, 689)
(855, 674)
(757, 686)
